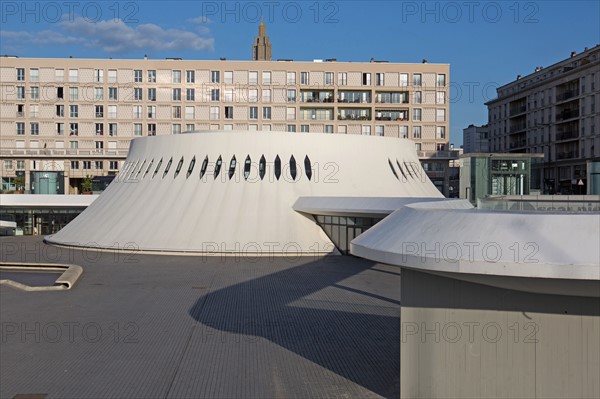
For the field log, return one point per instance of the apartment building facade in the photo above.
(553, 111)
(64, 119)
(476, 139)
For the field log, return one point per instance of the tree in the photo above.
(86, 184)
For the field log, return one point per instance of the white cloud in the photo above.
(114, 36)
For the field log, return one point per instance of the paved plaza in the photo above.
(158, 326)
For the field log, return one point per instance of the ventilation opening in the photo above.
(307, 167)
(262, 167)
(232, 165)
(247, 165)
(293, 170)
(168, 167)
(149, 167)
(401, 170)
(277, 167)
(204, 166)
(218, 167)
(179, 166)
(408, 170)
(140, 170)
(157, 168)
(191, 167)
(393, 170)
(131, 171)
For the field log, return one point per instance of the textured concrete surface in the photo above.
(138, 326)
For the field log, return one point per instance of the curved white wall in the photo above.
(189, 213)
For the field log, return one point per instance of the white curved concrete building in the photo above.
(227, 192)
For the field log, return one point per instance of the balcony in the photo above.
(516, 110)
(518, 128)
(518, 144)
(62, 153)
(567, 95)
(568, 135)
(437, 154)
(20, 114)
(567, 114)
(566, 155)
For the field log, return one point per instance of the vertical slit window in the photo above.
(262, 167)
(408, 170)
(167, 167)
(393, 170)
(277, 167)
(218, 167)
(179, 166)
(293, 170)
(232, 165)
(401, 170)
(140, 170)
(204, 166)
(307, 167)
(191, 167)
(157, 168)
(149, 166)
(247, 166)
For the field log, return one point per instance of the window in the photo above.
(59, 75)
(291, 113)
(266, 95)
(99, 145)
(112, 76)
(112, 111)
(218, 167)
(215, 77)
(379, 79)
(417, 112)
(379, 130)
(416, 79)
(214, 94)
(35, 93)
(99, 75)
(304, 78)
(137, 129)
(137, 94)
(440, 115)
(20, 74)
(137, 76)
(366, 79)
(342, 78)
(441, 80)
(190, 112)
(253, 113)
(253, 95)
(291, 128)
(151, 129)
(113, 165)
(151, 111)
(232, 165)
(266, 78)
(176, 128)
(152, 94)
(73, 145)
(34, 128)
(99, 165)
(228, 77)
(228, 95)
(113, 93)
(137, 112)
(440, 97)
(176, 76)
(112, 129)
(190, 94)
(291, 95)
(73, 75)
(266, 113)
(417, 97)
(440, 132)
(328, 128)
(404, 132)
(329, 78)
(98, 93)
(73, 111)
(99, 111)
(416, 132)
(304, 128)
(151, 76)
(366, 130)
(87, 164)
(228, 112)
(34, 75)
(60, 129)
(252, 77)
(190, 76)
(20, 92)
(176, 94)
(20, 128)
(291, 78)
(60, 111)
(74, 164)
(214, 113)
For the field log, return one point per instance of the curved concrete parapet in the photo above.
(536, 252)
(65, 281)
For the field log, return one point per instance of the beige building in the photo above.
(75, 117)
(554, 112)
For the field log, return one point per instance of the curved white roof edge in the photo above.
(161, 200)
(486, 244)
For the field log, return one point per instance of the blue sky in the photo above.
(486, 43)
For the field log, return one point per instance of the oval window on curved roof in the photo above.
(232, 165)
(191, 167)
(401, 170)
(293, 169)
(393, 170)
(247, 166)
(140, 170)
(308, 167)
(149, 167)
(277, 167)
(157, 168)
(262, 167)
(218, 167)
(167, 167)
(408, 169)
(179, 166)
(131, 171)
(203, 167)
